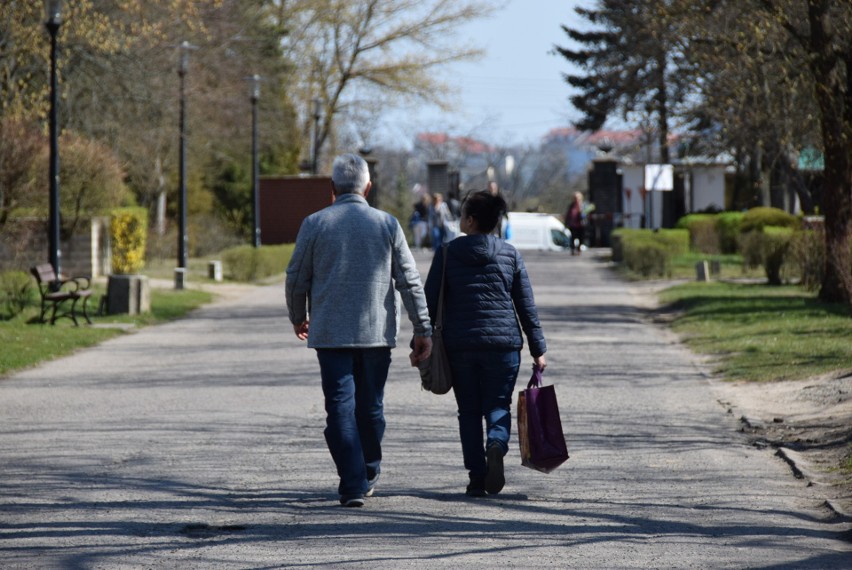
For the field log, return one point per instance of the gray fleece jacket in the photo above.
(349, 262)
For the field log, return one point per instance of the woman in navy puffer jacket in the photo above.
(486, 286)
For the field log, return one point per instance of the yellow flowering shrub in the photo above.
(128, 228)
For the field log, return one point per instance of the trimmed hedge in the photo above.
(703, 236)
(761, 217)
(808, 252)
(767, 247)
(649, 253)
(713, 233)
(684, 222)
(728, 228)
(247, 263)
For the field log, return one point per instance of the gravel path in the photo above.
(198, 444)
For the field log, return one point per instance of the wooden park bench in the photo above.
(55, 293)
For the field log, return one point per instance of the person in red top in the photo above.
(575, 221)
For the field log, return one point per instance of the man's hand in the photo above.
(540, 362)
(422, 350)
(301, 330)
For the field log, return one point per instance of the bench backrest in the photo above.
(44, 273)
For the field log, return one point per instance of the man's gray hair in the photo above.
(350, 174)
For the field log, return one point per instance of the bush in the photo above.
(728, 230)
(761, 217)
(647, 258)
(767, 247)
(684, 222)
(649, 253)
(128, 228)
(677, 241)
(246, 263)
(808, 252)
(703, 236)
(15, 293)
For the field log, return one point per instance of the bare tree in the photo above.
(348, 52)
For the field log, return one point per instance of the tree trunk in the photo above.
(835, 105)
(837, 203)
(663, 109)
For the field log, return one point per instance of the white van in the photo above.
(543, 232)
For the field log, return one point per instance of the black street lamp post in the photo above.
(183, 240)
(315, 143)
(255, 165)
(53, 10)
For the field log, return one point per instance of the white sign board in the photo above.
(659, 177)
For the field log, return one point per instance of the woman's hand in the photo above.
(540, 362)
(301, 330)
(422, 350)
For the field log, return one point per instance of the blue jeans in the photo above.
(483, 382)
(353, 383)
(437, 238)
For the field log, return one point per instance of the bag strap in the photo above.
(535, 380)
(439, 313)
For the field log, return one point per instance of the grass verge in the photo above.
(24, 342)
(762, 333)
(682, 266)
(730, 266)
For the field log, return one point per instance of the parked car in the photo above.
(543, 232)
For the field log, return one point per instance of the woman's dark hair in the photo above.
(486, 208)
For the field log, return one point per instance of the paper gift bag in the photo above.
(540, 434)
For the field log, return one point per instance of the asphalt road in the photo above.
(198, 444)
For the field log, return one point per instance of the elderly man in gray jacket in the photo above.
(349, 262)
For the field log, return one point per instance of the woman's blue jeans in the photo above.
(483, 382)
(353, 383)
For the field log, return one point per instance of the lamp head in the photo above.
(184, 57)
(53, 13)
(255, 87)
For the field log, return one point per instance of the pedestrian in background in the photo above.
(486, 286)
(575, 220)
(420, 220)
(348, 259)
(439, 216)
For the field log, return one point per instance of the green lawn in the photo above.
(762, 333)
(683, 267)
(730, 266)
(24, 342)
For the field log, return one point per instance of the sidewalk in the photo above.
(198, 444)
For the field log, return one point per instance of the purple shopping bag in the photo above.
(540, 434)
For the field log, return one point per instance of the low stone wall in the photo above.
(24, 243)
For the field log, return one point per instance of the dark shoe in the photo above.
(352, 501)
(494, 478)
(476, 487)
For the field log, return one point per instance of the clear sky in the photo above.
(516, 92)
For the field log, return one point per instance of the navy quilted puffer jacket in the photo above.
(486, 284)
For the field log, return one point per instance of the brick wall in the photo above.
(286, 201)
(24, 243)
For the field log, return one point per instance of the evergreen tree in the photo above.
(632, 63)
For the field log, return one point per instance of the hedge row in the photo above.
(247, 263)
(649, 253)
(766, 237)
